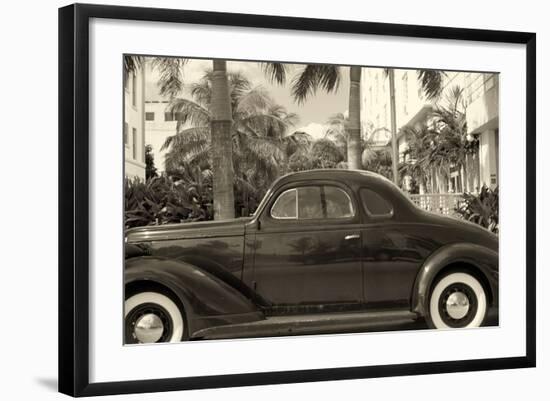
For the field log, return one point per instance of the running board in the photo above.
(310, 324)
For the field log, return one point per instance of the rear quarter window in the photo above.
(375, 204)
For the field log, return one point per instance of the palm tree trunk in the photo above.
(354, 123)
(222, 147)
(395, 150)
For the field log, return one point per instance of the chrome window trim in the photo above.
(349, 201)
(277, 200)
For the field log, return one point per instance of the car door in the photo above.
(391, 254)
(307, 249)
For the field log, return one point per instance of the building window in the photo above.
(134, 143)
(150, 116)
(126, 134)
(134, 89)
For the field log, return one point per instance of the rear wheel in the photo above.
(458, 300)
(152, 317)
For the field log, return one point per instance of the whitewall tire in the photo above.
(152, 317)
(458, 300)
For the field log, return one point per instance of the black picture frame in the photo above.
(74, 201)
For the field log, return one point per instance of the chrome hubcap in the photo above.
(457, 305)
(148, 328)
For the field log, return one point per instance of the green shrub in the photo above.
(481, 209)
(161, 200)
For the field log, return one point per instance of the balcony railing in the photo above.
(438, 203)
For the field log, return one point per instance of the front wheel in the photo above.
(152, 317)
(458, 300)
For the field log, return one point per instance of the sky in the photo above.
(312, 114)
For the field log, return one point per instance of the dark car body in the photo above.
(232, 276)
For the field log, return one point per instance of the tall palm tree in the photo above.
(354, 127)
(259, 143)
(222, 149)
(327, 77)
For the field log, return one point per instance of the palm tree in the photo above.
(258, 141)
(336, 131)
(431, 82)
(328, 77)
(220, 134)
(321, 153)
(441, 144)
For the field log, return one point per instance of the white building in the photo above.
(412, 108)
(134, 125)
(159, 124)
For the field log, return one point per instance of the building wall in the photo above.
(134, 132)
(158, 127)
(375, 99)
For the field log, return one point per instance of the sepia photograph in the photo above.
(267, 198)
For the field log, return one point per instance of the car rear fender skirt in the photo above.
(201, 294)
(481, 260)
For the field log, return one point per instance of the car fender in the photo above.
(483, 259)
(207, 300)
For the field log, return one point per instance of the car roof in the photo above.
(348, 176)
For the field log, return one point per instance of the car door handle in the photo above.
(352, 236)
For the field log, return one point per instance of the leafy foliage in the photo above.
(378, 160)
(150, 169)
(322, 153)
(481, 209)
(162, 200)
(439, 143)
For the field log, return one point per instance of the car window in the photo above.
(375, 204)
(285, 205)
(314, 202)
(338, 203)
(309, 203)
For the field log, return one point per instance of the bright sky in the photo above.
(313, 113)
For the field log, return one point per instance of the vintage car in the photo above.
(326, 251)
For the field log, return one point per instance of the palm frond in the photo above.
(431, 82)
(276, 72)
(186, 136)
(171, 74)
(188, 112)
(313, 76)
(254, 99)
(132, 64)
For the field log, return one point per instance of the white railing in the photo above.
(438, 203)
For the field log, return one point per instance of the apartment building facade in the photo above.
(134, 125)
